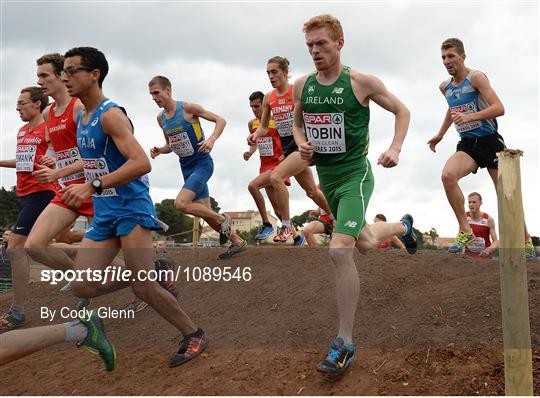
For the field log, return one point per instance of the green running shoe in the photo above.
(530, 251)
(9, 322)
(96, 341)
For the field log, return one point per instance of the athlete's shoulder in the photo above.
(41, 128)
(77, 105)
(299, 83)
(443, 84)
(477, 77)
(46, 112)
(192, 108)
(24, 127)
(113, 113)
(159, 117)
(364, 79)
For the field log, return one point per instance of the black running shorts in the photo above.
(483, 149)
(30, 207)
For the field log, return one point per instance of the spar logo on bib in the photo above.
(468, 108)
(97, 168)
(25, 157)
(326, 131)
(265, 146)
(65, 158)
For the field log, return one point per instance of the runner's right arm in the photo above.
(156, 151)
(252, 148)
(447, 122)
(11, 163)
(304, 146)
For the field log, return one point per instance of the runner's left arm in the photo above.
(494, 239)
(199, 112)
(379, 94)
(116, 125)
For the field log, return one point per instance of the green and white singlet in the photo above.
(337, 126)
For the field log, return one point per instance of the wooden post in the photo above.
(195, 240)
(513, 274)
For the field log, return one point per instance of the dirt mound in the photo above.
(426, 324)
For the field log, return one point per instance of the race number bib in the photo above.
(65, 158)
(25, 157)
(326, 131)
(284, 124)
(477, 245)
(265, 145)
(95, 168)
(467, 108)
(181, 145)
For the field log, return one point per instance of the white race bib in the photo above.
(467, 109)
(284, 124)
(25, 157)
(265, 146)
(477, 245)
(181, 145)
(96, 168)
(326, 131)
(65, 158)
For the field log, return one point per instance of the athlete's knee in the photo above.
(448, 177)
(340, 255)
(181, 205)
(253, 187)
(340, 252)
(308, 229)
(276, 178)
(34, 247)
(144, 289)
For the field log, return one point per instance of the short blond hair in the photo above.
(325, 21)
(475, 194)
(453, 43)
(161, 81)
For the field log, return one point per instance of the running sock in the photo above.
(75, 331)
(286, 223)
(407, 228)
(267, 224)
(197, 334)
(17, 312)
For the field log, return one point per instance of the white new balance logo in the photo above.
(337, 90)
(351, 224)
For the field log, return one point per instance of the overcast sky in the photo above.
(216, 53)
